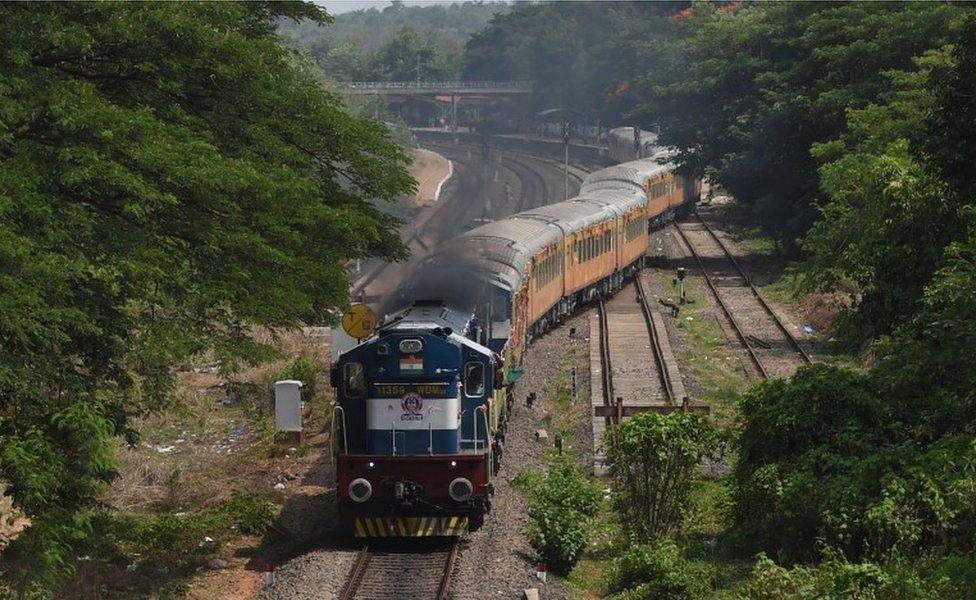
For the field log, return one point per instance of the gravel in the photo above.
(317, 574)
(497, 560)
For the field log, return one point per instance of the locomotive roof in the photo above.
(424, 315)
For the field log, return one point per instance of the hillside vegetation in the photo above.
(392, 43)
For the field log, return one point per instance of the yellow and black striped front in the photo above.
(368, 527)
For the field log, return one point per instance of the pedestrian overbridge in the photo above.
(437, 88)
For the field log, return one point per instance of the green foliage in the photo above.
(561, 504)
(559, 534)
(580, 55)
(306, 370)
(249, 514)
(873, 175)
(853, 461)
(837, 579)
(349, 48)
(170, 176)
(748, 93)
(658, 572)
(652, 460)
(410, 56)
(174, 540)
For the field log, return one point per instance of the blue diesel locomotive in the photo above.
(416, 438)
(422, 403)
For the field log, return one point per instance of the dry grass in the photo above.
(217, 437)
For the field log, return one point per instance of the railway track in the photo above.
(476, 196)
(772, 349)
(632, 377)
(382, 575)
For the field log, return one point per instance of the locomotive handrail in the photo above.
(345, 440)
(474, 421)
(484, 415)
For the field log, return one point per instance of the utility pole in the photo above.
(566, 158)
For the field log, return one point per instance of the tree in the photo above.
(408, 57)
(170, 176)
(887, 215)
(577, 54)
(652, 459)
(755, 87)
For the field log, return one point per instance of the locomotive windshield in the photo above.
(353, 380)
(474, 379)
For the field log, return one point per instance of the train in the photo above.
(422, 404)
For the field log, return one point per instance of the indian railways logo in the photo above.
(412, 405)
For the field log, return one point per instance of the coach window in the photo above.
(354, 379)
(474, 379)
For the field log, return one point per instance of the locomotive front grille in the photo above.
(368, 527)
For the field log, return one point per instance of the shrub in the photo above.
(561, 504)
(303, 369)
(652, 460)
(249, 514)
(564, 485)
(658, 572)
(559, 534)
(173, 540)
(838, 579)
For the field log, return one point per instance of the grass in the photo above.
(705, 352)
(207, 465)
(587, 578)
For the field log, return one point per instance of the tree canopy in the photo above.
(752, 88)
(580, 55)
(357, 45)
(170, 176)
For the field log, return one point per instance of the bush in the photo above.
(652, 460)
(304, 369)
(564, 485)
(177, 541)
(837, 579)
(559, 534)
(561, 505)
(658, 572)
(825, 460)
(249, 515)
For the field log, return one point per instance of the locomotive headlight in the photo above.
(411, 346)
(360, 490)
(460, 489)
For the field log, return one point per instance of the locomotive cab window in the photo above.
(353, 379)
(474, 379)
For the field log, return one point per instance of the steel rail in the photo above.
(725, 309)
(363, 562)
(533, 183)
(444, 587)
(605, 364)
(656, 349)
(356, 575)
(762, 301)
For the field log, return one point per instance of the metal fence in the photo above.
(517, 86)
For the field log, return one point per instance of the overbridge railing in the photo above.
(446, 86)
